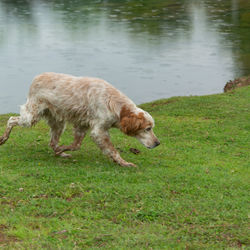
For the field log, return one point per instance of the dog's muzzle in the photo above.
(157, 143)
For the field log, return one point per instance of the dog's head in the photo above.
(138, 124)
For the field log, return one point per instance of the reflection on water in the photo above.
(148, 49)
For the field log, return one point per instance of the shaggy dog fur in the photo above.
(86, 103)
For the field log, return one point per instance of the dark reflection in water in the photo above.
(148, 49)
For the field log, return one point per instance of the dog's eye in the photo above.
(148, 129)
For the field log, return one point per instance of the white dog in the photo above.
(86, 103)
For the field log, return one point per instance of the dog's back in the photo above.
(60, 88)
(74, 98)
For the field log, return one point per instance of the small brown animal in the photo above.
(87, 103)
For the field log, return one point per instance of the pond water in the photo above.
(148, 49)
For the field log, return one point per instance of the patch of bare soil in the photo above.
(237, 83)
(5, 239)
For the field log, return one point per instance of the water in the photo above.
(148, 49)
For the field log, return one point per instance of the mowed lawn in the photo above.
(190, 192)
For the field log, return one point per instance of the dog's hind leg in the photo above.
(79, 134)
(26, 119)
(56, 130)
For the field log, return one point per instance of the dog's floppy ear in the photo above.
(130, 122)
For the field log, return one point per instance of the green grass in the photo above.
(190, 192)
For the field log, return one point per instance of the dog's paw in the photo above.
(64, 155)
(3, 139)
(127, 164)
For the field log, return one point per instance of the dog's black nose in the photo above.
(157, 143)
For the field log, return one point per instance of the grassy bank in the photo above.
(191, 191)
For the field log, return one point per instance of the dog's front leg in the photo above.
(102, 139)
